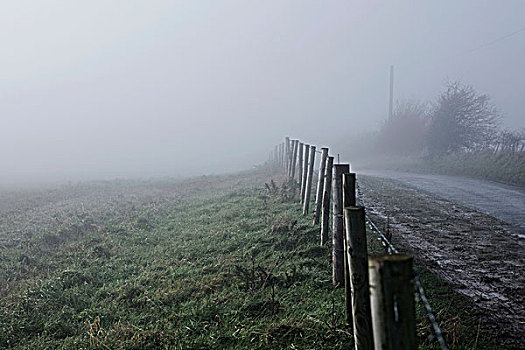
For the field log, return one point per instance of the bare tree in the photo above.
(462, 120)
(510, 141)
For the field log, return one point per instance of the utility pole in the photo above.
(391, 101)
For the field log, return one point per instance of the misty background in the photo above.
(105, 89)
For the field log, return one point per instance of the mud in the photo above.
(504, 202)
(472, 250)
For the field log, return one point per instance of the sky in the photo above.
(126, 88)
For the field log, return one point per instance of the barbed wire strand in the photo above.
(430, 314)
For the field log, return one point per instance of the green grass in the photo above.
(222, 267)
(226, 269)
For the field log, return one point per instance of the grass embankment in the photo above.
(506, 167)
(222, 267)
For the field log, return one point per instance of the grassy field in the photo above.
(208, 263)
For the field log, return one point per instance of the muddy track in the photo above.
(504, 202)
(472, 250)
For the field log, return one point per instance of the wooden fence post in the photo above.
(338, 273)
(287, 153)
(288, 156)
(281, 146)
(320, 183)
(283, 155)
(290, 163)
(305, 171)
(308, 189)
(294, 158)
(278, 158)
(349, 200)
(327, 194)
(392, 302)
(300, 165)
(357, 258)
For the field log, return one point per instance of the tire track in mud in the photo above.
(472, 250)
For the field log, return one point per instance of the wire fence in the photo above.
(335, 191)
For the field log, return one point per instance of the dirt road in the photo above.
(472, 250)
(504, 202)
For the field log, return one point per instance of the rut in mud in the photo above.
(472, 250)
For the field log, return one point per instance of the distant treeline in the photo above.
(459, 133)
(460, 121)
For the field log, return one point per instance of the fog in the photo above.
(105, 89)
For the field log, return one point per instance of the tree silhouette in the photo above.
(462, 120)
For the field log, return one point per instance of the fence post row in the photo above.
(320, 183)
(337, 224)
(392, 302)
(305, 171)
(308, 189)
(379, 291)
